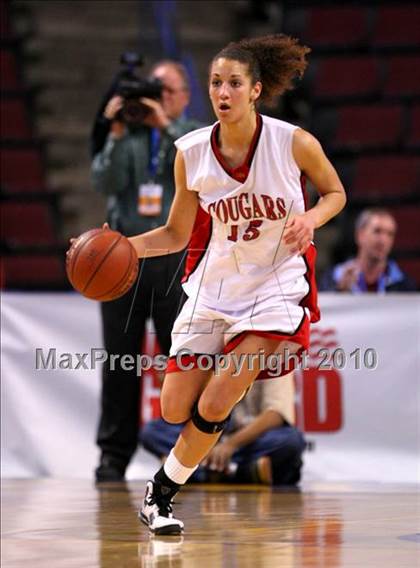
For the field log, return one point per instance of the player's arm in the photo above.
(313, 162)
(175, 235)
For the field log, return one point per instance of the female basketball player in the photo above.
(239, 203)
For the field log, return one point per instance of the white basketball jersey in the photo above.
(236, 254)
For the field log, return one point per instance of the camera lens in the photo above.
(134, 112)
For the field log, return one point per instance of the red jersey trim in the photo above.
(301, 336)
(186, 360)
(241, 172)
(199, 242)
(310, 301)
(303, 180)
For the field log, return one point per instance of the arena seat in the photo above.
(403, 76)
(368, 126)
(22, 170)
(27, 224)
(379, 177)
(408, 234)
(14, 122)
(412, 267)
(413, 140)
(39, 270)
(347, 77)
(397, 26)
(336, 26)
(10, 80)
(5, 28)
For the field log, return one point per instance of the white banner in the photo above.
(360, 398)
(357, 399)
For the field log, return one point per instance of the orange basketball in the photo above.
(102, 264)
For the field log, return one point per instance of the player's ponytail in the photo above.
(275, 60)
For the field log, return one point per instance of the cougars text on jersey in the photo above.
(246, 206)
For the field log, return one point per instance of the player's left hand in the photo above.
(219, 458)
(299, 233)
(156, 118)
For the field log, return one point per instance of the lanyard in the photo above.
(154, 152)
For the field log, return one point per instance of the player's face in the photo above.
(175, 97)
(376, 238)
(231, 91)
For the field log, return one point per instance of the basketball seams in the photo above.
(71, 259)
(110, 249)
(130, 281)
(115, 287)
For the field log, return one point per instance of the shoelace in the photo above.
(164, 506)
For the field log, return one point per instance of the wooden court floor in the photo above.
(52, 523)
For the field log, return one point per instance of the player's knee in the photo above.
(213, 409)
(173, 412)
(205, 425)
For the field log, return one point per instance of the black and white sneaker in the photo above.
(156, 511)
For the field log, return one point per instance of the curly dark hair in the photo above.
(275, 60)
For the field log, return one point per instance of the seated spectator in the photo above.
(260, 445)
(371, 270)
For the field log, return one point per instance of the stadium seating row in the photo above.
(356, 128)
(366, 76)
(355, 26)
(32, 254)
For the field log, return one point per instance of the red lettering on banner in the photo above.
(322, 400)
(150, 381)
(155, 404)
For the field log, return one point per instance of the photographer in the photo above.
(134, 169)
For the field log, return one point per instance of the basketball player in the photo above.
(249, 277)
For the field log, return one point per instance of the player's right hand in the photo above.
(299, 232)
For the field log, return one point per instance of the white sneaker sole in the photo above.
(166, 530)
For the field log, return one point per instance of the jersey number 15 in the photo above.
(250, 234)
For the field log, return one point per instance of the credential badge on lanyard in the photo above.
(150, 199)
(150, 194)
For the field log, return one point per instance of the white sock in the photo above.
(176, 471)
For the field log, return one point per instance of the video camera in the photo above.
(131, 87)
